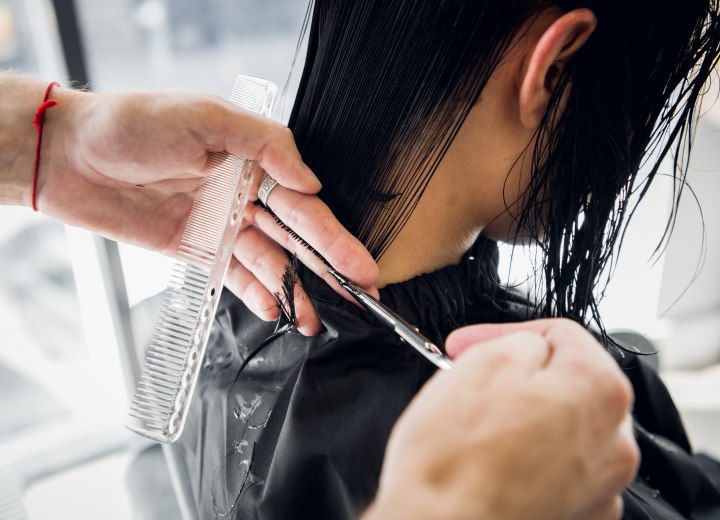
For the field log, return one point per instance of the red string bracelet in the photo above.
(39, 123)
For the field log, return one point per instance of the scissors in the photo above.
(406, 332)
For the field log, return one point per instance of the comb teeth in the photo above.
(172, 364)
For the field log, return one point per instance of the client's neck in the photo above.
(476, 187)
(437, 235)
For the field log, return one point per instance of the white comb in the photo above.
(162, 398)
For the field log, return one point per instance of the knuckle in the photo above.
(273, 139)
(260, 301)
(565, 332)
(283, 137)
(617, 508)
(337, 249)
(285, 241)
(263, 152)
(630, 459)
(304, 256)
(617, 389)
(214, 106)
(295, 216)
(279, 138)
(526, 338)
(234, 281)
(288, 243)
(255, 263)
(250, 215)
(250, 251)
(285, 133)
(495, 355)
(571, 327)
(245, 291)
(583, 368)
(214, 102)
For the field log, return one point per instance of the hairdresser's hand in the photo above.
(127, 165)
(532, 422)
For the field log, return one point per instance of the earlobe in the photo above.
(557, 45)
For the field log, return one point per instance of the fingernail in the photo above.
(373, 291)
(307, 330)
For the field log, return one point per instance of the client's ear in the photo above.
(556, 46)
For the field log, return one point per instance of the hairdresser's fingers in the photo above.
(616, 460)
(609, 480)
(260, 139)
(311, 219)
(253, 293)
(516, 354)
(267, 261)
(579, 357)
(464, 338)
(609, 509)
(628, 455)
(562, 333)
(267, 223)
(610, 468)
(258, 216)
(576, 358)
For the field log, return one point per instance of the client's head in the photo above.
(530, 118)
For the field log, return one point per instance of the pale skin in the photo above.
(127, 166)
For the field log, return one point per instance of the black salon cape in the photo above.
(301, 433)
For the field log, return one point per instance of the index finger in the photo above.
(310, 218)
(519, 352)
(559, 332)
(271, 144)
(575, 353)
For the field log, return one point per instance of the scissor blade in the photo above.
(405, 331)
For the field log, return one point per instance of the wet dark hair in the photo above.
(388, 83)
(635, 90)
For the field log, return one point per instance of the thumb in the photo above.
(522, 351)
(461, 339)
(260, 139)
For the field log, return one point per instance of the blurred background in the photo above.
(73, 307)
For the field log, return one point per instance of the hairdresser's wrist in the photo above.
(397, 508)
(416, 501)
(61, 134)
(19, 98)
